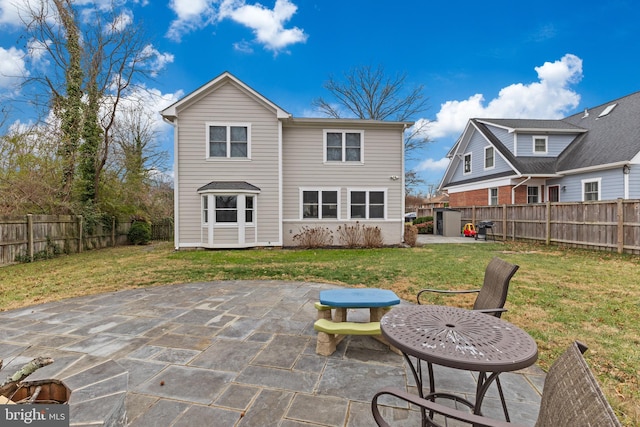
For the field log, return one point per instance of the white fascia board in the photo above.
(595, 168)
(479, 185)
(532, 130)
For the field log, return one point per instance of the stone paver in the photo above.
(227, 353)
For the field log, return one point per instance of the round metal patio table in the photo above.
(460, 339)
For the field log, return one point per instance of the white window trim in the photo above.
(546, 144)
(344, 147)
(212, 206)
(367, 191)
(464, 172)
(489, 147)
(589, 180)
(228, 125)
(319, 190)
(539, 194)
(489, 196)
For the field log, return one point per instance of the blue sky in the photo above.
(544, 59)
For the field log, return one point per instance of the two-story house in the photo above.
(249, 174)
(593, 155)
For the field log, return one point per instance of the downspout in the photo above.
(513, 190)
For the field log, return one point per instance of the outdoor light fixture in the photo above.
(626, 170)
(564, 188)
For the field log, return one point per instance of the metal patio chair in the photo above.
(493, 294)
(571, 398)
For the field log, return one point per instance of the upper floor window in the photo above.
(489, 158)
(533, 194)
(493, 196)
(365, 204)
(540, 144)
(228, 140)
(320, 204)
(343, 146)
(591, 190)
(467, 163)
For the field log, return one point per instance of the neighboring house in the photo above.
(249, 174)
(593, 155)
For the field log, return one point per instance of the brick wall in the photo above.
(481, 197)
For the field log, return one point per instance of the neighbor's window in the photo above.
(591, 190)
(493, 196)
(540, 144)
(226, 141)
(467, 163)
(320, 204)
(533, 194)
(343, 146)
(488, 158)
(226, 209)
(367, 204)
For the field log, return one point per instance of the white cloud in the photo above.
(9, 13)
(548, 98)
(120, 22)
(156, 59)
(432, 165)
(37, 50)
(191, 15)
(12, 68)
(266, 24)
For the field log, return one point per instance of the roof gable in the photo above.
(171, 112)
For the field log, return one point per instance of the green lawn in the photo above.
(558, 295)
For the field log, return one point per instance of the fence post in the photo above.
(30, 236)
(620, 218)
(548, 225)
(504, 222)
(113, 231)
(79, 217)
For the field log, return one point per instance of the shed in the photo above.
(448, 222)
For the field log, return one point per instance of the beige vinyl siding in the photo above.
(303, 166)
(227, 103)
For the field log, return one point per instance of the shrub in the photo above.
(424, 224)
(139, 233)
(314, 237)
(410, 234)
(351, 236)
(373, 237)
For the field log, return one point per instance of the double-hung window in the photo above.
(591, 190)
(467, 163)
(319, 204)
(248, 209)
(228, 140)
(533, 194)
(226, 208)
(489, 161)
(540, 144)
(367, 204)
(343, 146)
(493, 196)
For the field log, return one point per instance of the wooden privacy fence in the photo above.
(28, 237)
(612, 225)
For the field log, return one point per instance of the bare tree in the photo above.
(94, 65)
(369, 93)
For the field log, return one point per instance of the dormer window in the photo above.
(540, 144)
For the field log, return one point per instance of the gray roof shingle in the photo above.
(229, 186)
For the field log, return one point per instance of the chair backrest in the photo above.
(572, 396)
(493, 293)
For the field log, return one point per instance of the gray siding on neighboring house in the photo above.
(303, 167)
(227, 104)
(555, 144)
(504, 136)
(476, 146)
(611, 185)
